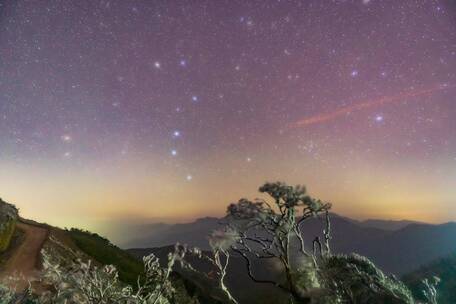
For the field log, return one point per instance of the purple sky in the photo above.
(173, 109)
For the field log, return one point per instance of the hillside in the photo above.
(23, 257)
(445, 269)
(130, 267)
(101, 250)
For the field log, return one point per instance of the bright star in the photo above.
(354, 73)
(173, 152)
(66, 138)
(157, 64)
(195, 98)
(176, 133)
(189, 177)
(379, 118)
(183, 63)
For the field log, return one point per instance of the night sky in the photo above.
(170, 110)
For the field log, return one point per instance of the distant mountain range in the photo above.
(160, 234)
(389, 225)
(397, 247)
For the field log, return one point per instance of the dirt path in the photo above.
(24, 259)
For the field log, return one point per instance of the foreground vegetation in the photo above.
(102, 251)
(8, 219)
(254, 231)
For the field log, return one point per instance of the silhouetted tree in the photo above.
(261, 229)
(267, 230)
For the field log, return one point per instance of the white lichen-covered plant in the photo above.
(83, 282)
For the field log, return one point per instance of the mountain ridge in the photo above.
(419, 243)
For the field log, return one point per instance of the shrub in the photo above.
(356, 279)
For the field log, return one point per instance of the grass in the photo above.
(6, 233)
(104, 252)
(16, 241)
(8, 219)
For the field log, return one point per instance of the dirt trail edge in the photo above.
(25, 259)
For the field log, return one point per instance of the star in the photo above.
(379, 118)
(157, 64)
(66, 138)
(189, 177)
(176, 134)
(183, 63)
(354, 73)
(173, 152)
(195, 98)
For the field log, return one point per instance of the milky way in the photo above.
(173, 109)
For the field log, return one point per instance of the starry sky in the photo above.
(170, 110)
